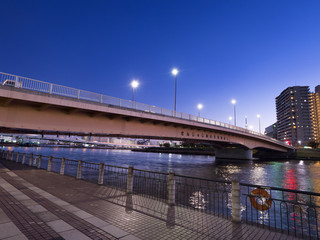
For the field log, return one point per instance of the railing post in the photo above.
(171, 189)
(7, 157)
(12, 153)
(101, 173)
(130, 180)
(23, 158)
(39, 161)
(2, 154)
(31, 159)
(49, 164)
(100, 98)
(50, 89)
(236, 202)
(119, 102)
(63, 164)
(17, 158)
(79, 170)
(78, 94)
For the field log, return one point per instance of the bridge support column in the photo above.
(233, 153)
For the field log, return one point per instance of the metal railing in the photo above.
(9, 80)
(289, 211)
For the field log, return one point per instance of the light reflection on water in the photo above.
(295, 174)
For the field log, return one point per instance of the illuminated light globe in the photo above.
(175, 72)
(200, 106)
(134, 84)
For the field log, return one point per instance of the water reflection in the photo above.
(300, 175)
(197, 200)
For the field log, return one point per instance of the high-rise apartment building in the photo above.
(294, 121)
(315, 113)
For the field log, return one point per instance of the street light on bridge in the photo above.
(233, 101)
(258, 116)
(134, 84)
(230, 118)
(200, 106)
(175, 73)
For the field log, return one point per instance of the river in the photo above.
(291, 174)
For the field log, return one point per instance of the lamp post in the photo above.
(246, 121)
(258, 116)
(233, 101)
(175, 73)
(134, 84)
(200, 106)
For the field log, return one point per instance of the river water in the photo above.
(291, 174)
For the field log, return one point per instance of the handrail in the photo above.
(59, 90)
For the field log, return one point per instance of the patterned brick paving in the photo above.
(142, 217)
(27, 222)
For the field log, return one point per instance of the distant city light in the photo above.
(175, 72)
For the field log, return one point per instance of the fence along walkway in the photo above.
(201, 206)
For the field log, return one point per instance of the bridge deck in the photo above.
(35, 204)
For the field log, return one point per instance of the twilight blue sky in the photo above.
(247, 50)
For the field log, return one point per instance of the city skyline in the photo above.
(245, 51)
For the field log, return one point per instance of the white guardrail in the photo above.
(54, 89)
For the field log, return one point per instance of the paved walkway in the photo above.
(35, 204)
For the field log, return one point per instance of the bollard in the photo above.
(39, 161)
(17, 158)
(101, 173)
(7, 157)
(49, 164)
(130, 180)
(79, 170)
(31, 159)
(23, 158)
(63, 164)
(12, 154)
(171, 189)
(236, 202)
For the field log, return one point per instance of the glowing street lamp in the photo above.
(230, 118)
(200, 106)
(175, 73)
(134, 84)
(233, 101)
(258, 116)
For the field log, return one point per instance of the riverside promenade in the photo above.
(36, 204)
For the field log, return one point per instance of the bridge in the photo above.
(32, 106)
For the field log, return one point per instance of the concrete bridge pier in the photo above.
(233, 153)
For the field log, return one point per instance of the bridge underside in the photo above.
(49, 115)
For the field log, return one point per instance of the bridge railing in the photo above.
(290, 211)
(59, 90)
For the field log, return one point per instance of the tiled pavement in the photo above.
(35, 204)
